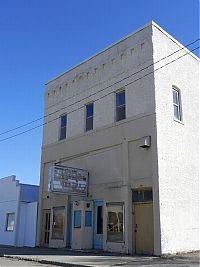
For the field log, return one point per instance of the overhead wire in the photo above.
(67, 99)
(4, 139)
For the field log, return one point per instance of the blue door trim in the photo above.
(97, 238)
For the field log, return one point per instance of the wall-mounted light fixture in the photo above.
(145, 142)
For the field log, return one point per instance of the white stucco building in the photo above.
(18, 212)
(129, 117)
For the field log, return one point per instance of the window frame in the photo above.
(122, 204)
(177, 105)
(7, 220)
(116, 93)
(60, 128)
(89, 103)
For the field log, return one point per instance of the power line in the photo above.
(67, 99)
(1, 140)
(130, 74)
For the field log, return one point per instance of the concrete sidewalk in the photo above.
(66, 257)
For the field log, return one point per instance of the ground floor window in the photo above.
(115, 222)
(77, 219)
(10, 221)
(58, 223)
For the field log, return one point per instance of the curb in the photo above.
(56, 263)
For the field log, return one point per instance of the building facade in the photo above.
(128, 117)
(18, 212)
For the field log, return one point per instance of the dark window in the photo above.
(89, 117)
(176, 104)
(63, 127)
(120, 106)
(99, 220)
(142, 195)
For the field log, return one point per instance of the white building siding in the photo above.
(9, 196)
(97, 80)
(177, 147)
(18, 199)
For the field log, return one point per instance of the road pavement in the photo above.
(5, 262)
(66, 257)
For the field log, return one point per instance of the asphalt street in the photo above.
(64, 257)
(15, 262)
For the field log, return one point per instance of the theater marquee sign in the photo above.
(68, 180)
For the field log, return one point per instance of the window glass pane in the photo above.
(89, 124)
(10, 222)
(148, 195)
(120, 113)
(89, 117)
(63, 121)
(176, 113)
(115, 226)
(175, 96)
(63, 127)
(88, 218)
(142, 195)
(89, 110)
(77, 219)
(99, 220)
(63, 133)
(120, 98)
(58, 223)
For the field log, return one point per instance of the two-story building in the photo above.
(119, 167)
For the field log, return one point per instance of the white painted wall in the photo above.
(27, 225)
(97, 79)
(177, 147)
(24, 233)
(9, 203)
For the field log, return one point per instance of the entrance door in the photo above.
(98, 225)
(46, 227)
(143, 228)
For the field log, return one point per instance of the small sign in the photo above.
(68, 180)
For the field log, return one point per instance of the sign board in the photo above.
(68, 180)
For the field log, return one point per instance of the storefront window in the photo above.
(58, 223)
(115, 222)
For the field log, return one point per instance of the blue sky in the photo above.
(41, 38)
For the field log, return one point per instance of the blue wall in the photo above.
(29, 193)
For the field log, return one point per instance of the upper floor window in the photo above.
(89, 116)
(120, 106)
(63, 127)
(177, 104)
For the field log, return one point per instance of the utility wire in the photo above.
(67, 99)
(130, 74)
(1, 140)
